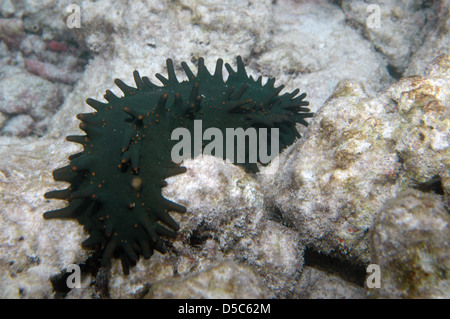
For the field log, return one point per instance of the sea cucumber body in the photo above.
(116, 181)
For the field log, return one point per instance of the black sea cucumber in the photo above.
(116, 181)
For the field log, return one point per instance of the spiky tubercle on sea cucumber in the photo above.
(116, 181)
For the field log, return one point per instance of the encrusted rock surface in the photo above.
(39, 64)
(31, 249)
(360, 151)
(401, 30)
(227, 280)
(23, 95)
(318, 284)
(226, 220)
(305, 30)
(436, 42)
(409, 240)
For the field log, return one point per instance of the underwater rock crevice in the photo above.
(351, 272)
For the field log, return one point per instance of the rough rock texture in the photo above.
(359, 152)
(45, 17)
(317, 284)
(31, 250)
(304, 30)
(183, 30)
(435, 43)
(409, 240)
(423, 137)
(225, 221)
(39, 64)
(11, 32)
(27, 100)
(20, 125)
(403, 26)
(227, 280)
